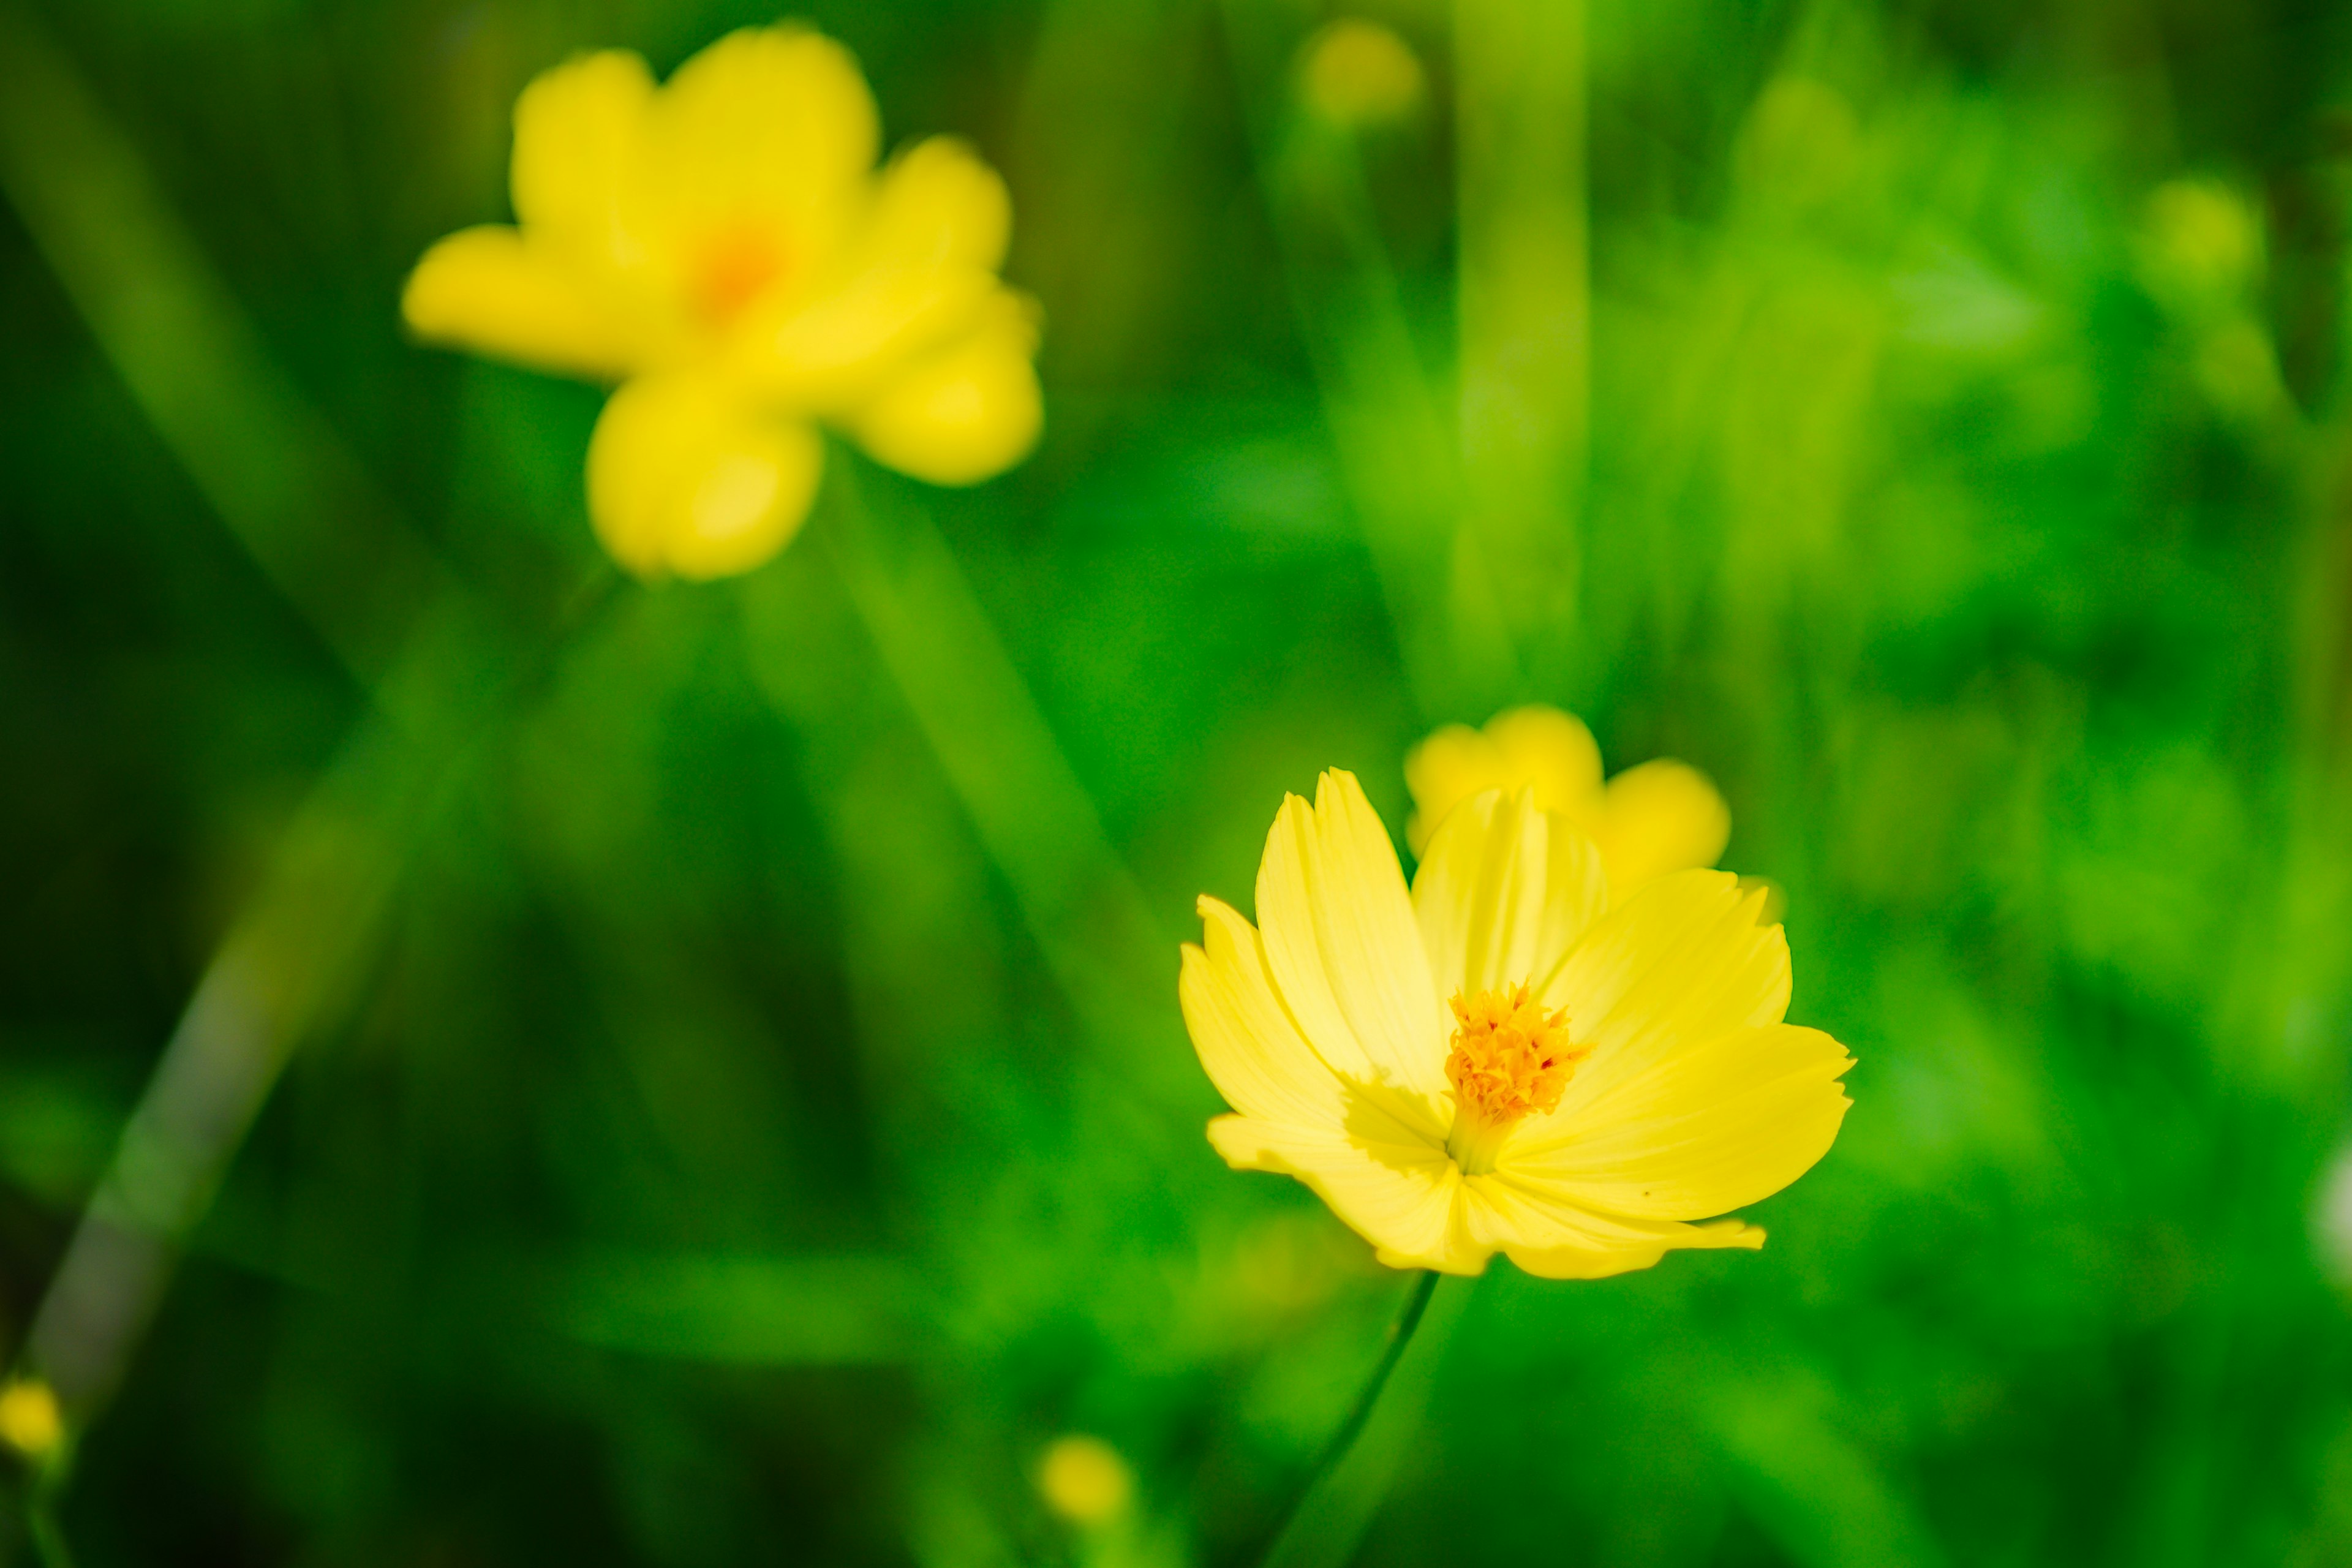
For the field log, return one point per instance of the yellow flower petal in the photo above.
(683, 477)
(578, 177)
(1555, 1239)
(770, 122)
(1537, 747)
(1660, 817)
(1252, 1052)
(834, 353)
(491, 291)
(1503, 893)
(922, 279)
(1682, 964)
(1344, 950)
(1553, 750)
(1402, 1197)
(966, 413)
(937, 205)
(1575, 1261)
(1707, 1129)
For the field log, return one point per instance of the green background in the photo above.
(725, 1126)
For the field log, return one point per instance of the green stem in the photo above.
(1031, 814)
(41, 1521)
(274, 469)
(1524, 304)
(1399, 457)
(1344, 1437)
(289, 970)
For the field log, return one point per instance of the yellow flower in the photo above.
(724, 247)
(2201, 246)
(30, 1422)
(1357, 73)
(1496, 1060)
(1661, 816)
(1083, 1479)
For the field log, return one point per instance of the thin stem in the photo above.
(292, 492)
(284, 481)
(1524, 308)
(1344, 1437)
(1390, 426)
(1027, 805)
(292, 966)
(41, 1521)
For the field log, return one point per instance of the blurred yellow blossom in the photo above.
(1084, 1480)
(1660, 817)
(2200, 252)
(1358, 73)
(30, 1422)
(1496, 1060)
(724, 247)
(2200, 247)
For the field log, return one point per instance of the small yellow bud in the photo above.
(30, 1422)
(1083, 1479)
(2201, 245)
(1357, 73)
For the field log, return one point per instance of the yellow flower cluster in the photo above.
(723, 247)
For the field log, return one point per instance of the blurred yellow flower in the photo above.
(30, 1422)
(2201, 256)
(724, 247)
(1083, 1479)
(1495, 1060)
(1661, 816)
(1357, 73)
(2200, 247)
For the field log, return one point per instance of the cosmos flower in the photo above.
(723, 247)
(1498, 1060)
(1661, 816)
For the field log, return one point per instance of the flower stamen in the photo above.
(734, 267)
(1511, 1059)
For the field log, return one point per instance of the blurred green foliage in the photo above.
(714, 1151)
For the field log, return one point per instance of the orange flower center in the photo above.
(1511, 1059)
(734, 267)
